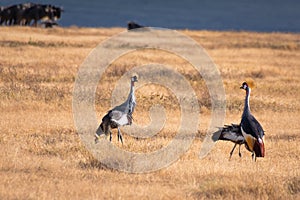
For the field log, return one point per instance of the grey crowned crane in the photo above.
(118, 116)
(251, 128)
(248, 132)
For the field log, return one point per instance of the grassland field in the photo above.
(42, 156)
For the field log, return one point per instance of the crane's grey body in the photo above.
(118, 116)
(248, 132)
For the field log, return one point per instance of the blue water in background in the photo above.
(251, 15)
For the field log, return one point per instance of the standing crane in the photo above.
(248, 132)
(118, 116)
(251, 128)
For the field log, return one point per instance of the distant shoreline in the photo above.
(186, 29)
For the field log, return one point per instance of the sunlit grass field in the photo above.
(42, 156)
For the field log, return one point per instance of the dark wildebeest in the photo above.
(5, 15)
(13, 15)
(133, 25)
(38, 12)
(18, 13)
(1, 10)
(57, 12)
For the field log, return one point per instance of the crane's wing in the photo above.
(119, 117)
(252, 126)
(115, 114)
(232, 133)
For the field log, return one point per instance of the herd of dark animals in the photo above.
(27, 14)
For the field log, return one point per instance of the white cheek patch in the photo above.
(260, 140)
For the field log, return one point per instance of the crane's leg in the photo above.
(231, 152)
(240, 151)
(253, 156)
(120, 135)
(110, 135)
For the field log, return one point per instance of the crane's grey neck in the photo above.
(131, 99)
(131, 93)
(131, 88)
(247, 99)
(132, 84)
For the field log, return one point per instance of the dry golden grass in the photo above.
(42, 157)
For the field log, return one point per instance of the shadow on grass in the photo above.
(93, 164)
